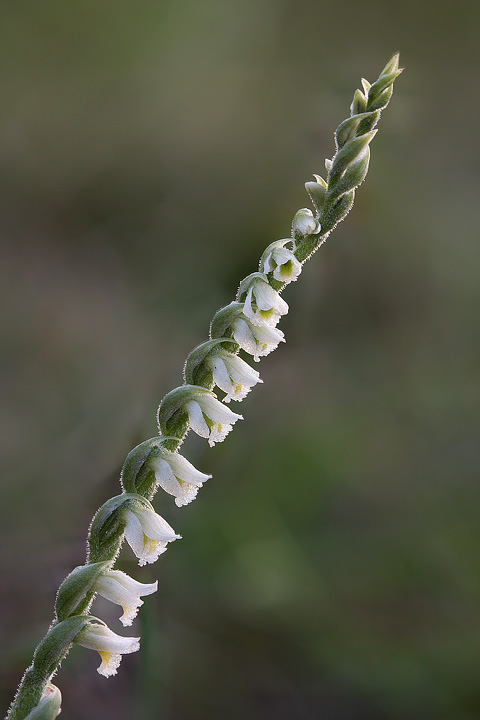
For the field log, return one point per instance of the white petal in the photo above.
(216, 411)
(269, 306)
(268, 299)
(241, 372)
(184, 470)
(179, 477)
(243, 335)
(196, 419)
(155, 527)
(221, 376)
(134, 534)
(247, 307)
(268, 263)
(165, 476)
(265, 296)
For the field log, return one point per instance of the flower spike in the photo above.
(246, 325)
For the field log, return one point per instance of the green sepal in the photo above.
(359, 103)
(196, 370)
(347, 155)
(49, 706)
(137, 475)
(56, 643)
(75, 593)
(337, 211)
(172, 417)
(347, 129)
(220, 326)
(317, 191)
(353, 175)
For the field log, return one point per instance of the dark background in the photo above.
(150, 151)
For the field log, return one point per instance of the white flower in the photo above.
(280, 261)
(257, 340)
(209, 418)
(263, 305)
(109, 645)
(233, 375)
(121, 589)
(304, 223)
(178, 477)
(147, 533)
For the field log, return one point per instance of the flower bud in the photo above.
(49, 706)
(304, 224)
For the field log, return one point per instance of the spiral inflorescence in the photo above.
(247, 325)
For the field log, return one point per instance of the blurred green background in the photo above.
(150, 151)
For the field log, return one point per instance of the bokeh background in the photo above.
(150, 151)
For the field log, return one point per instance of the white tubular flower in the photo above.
(263, 305)
(209, 418)
(178, 477)
(121, 589)
(234, 376)
(256, 340)
(281, 261)
(147, 533)
(109, 645)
